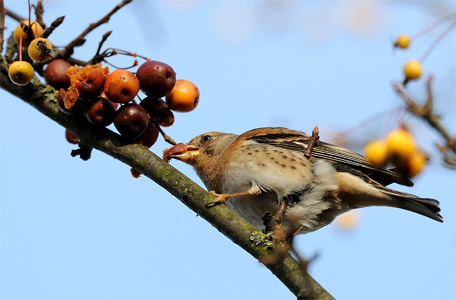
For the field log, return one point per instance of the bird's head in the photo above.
(201, 149)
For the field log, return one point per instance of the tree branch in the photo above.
(42, 97)
(426, 112)
(80, 40)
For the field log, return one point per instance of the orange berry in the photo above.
(403, 41)
(400, 144)
(121, 86)
(21, 72)
(377, 152)
(412, 70)
(415, 163)
(40, 50)
(184, 96)
(36, 29)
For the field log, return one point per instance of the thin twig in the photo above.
(449, 161)
(2, 25)
(103, 39)
(39, 12)
(78, 41)
(426, 111)
(362, 124)
(313, 139)
(437, 40)
(167, 138)
(53, 26)
(13, 15)
(432, 26)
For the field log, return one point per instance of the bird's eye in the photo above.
(206, 137)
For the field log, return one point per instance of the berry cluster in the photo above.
(102, 97)
(398, 149)
(95, 93)
(27, 34)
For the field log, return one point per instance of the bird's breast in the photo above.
(271, 168)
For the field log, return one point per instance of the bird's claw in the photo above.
(219, 199)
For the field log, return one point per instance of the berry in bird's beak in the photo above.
(181, 152)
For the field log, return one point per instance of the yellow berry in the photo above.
(40, 50)
(415, 163)
(36, 29)
(376, 152)
(403, 41)
(412, 70)
(21, 72)
(400, 144)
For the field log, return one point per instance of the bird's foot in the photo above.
(219, 199)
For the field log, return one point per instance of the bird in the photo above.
(255, 172)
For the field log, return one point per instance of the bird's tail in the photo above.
(423, 206)
(357, 193)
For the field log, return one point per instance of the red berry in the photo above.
(100, 112)
(56, 74)
(131, 121)
(157, 79)
(71, 137)
(135, 173)
(66, 96)
(158, 111)
(149, 137)
(88, 80)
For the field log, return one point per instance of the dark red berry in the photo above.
(100, 112)
(158, 111)
(150, 136)
(156, 79)
(56, 74)
(131, 121)
(77, 108)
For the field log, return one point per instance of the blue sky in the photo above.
(87, 230)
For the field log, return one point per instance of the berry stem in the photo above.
(166, 137)
(437, 40)
(20, 42)
(432, 26)
(36, 30)
(344, 134)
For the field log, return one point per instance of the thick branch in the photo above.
(42, 97)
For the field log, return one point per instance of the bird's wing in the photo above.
(343, 159)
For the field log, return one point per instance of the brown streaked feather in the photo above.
(298, 141)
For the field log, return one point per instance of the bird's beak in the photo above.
(185, 153)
